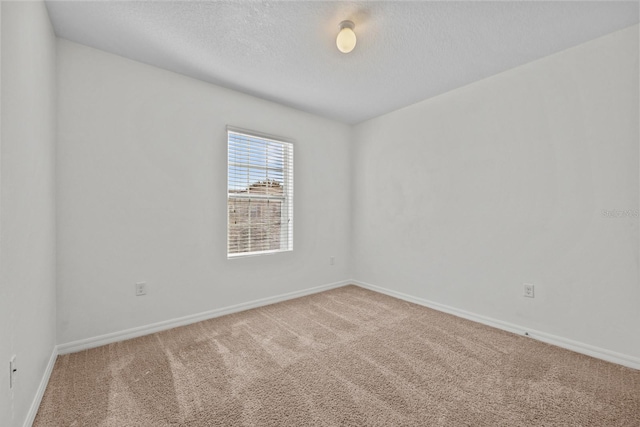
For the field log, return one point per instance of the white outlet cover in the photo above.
(528, 290)
(141, 288)
(13, 370)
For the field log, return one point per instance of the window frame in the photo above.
(286, 210)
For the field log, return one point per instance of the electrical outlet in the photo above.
(12, 371)
(528, 290)
(332, 260)
(141, 288)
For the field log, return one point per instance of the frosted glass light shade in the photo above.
(346, 39)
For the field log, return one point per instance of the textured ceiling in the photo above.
(285, 51)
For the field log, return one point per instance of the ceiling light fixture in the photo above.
(346, 39)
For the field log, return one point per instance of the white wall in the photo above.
(461, 198)
(27, 223)
(141, 186)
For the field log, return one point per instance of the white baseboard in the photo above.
(84, 344)
(600, 353)
(578, 347)
(35, 405)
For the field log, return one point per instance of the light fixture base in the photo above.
(347, 24)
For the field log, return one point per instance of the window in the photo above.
(260, 194)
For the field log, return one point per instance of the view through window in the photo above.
(260, 194)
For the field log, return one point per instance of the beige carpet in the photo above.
(345, 357)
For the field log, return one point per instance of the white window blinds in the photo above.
(260, 194)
